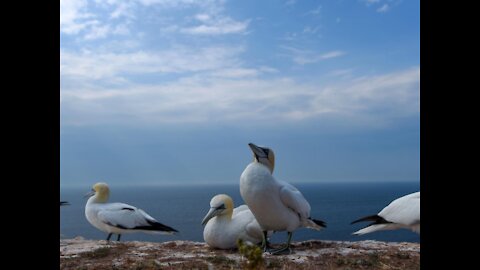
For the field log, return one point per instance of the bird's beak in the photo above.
(89, 194)
(213, 212)
(258, 151)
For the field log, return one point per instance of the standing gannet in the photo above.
(225, 225)
(402, 213)
(277, 205)
(119, 218)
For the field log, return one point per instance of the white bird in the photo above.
(225, 224)
(119, 218)
(402, 213)
(277, 205)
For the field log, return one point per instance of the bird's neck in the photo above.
(98, 198)
(266, 163)
(227, 217)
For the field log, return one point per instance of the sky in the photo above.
(172, 91)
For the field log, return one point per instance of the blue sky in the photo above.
(172, 91)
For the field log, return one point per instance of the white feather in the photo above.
(222, 232)
(276, 205)
(119, 218)
(403, 212)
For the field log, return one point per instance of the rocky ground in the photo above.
(92, 254)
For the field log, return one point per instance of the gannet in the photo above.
(403, 212)
(119, 218)
(64, 203)
(225, 224)
(277, 205)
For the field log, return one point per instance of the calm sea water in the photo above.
(183, 207)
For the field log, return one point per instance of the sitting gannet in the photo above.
(277, 205)
(225, 225)
(403, 212)
(119, 218)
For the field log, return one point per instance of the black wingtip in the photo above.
(375, 218)
(64, 203)
(320, 223)
(156, 226)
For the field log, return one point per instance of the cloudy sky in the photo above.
(172, 91)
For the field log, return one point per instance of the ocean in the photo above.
(183, 208)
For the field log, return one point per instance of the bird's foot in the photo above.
(285, 250)
(265, 247)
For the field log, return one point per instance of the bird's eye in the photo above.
(221, 206)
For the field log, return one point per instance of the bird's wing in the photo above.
(124, 216)
(254, 230)
(293, 199)
(404, 210)
(239, 209)
(249, 225)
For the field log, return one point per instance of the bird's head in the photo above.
(220, 205)
(101, 192)
(263, 155)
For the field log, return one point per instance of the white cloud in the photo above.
(174, 3)
(340, 72)
(331, 54)
(216, 26)
(303, 57)
(315, 11)
(203, 17)
(290, 2)
(237, 73)
(370, 2)
(179, 59)
(383, 8)
(204, 82)
(97, 32)
(205, 98)
(381, 5)
(102, 18)
(311, 30)
(123, 9)
(74, 16)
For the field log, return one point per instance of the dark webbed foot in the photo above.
(285, 250)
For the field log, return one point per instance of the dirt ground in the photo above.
(80, 254)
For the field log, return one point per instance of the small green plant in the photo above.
(252, 253)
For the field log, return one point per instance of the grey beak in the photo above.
(213, 212)
(89, 194)
(258, 151)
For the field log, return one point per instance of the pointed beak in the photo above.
(213, 212)
(89, 194)
(258, 151)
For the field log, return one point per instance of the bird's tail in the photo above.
(371, 228)
(314, 224)
(378, 224)
(157, 227)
